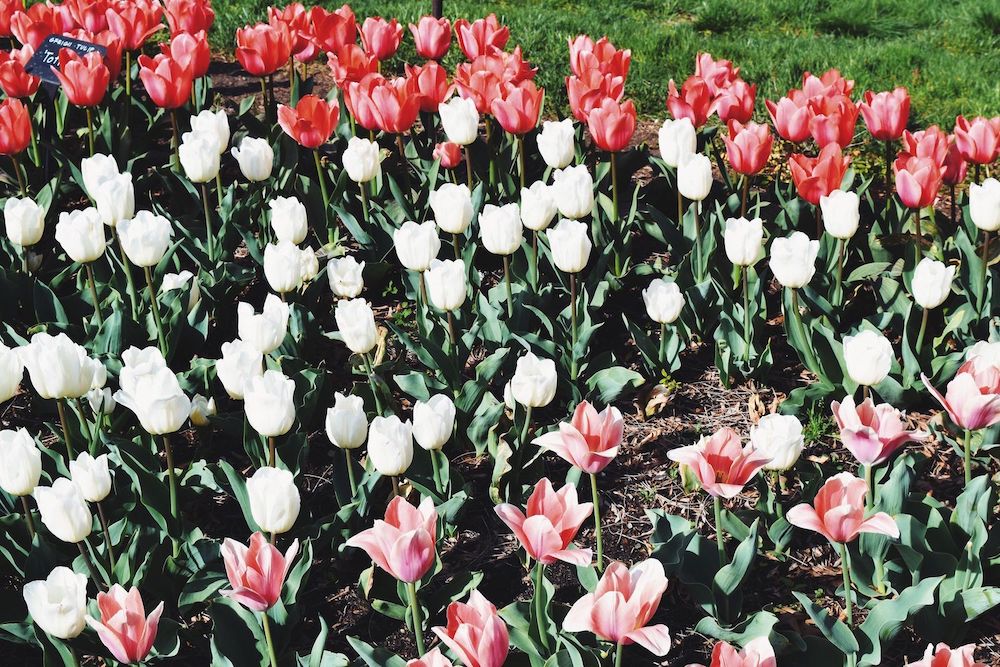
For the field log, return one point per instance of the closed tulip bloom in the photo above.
(518, 106)
(362, 160)
(815, 177)
(331, 30)
(433, 421)
(549, 523)
(838, 512)
(213, 123)
(135, 23)
(720, 463)
(240, 362)
(978, 140)
(403, 544)
(612, 124)
(570, 245)
(677, 140)
(101, 401)
(91, 476)
(791, 116)
(22, 459)
(58, 603)
(263, 48)
(346, 423)
(417, 245)
(573, 190)
(311, 122)
(872, 433)
(841, 213)
(735, 103)
(621, 606)
(433, 658)
(167, 81)
(256, 574)
(81, 234)
(202, 409)
(346, 276)
(743, 240)
(381, 38)
(886, 113)
(748, 147)
(191, 51)
(58, 367)
(833, 120)
(475, 632)
(589, 441)
(694, 177)
(534, 381)
(868, 356)
(943, 656)
(356, 323)
(115, 199)
(287, 266)
(95, 170)
(289, 219)
(481, 36)
(430, 83)
(145, 238)
(199, 156)
(64, 510)
(779, 438)
(266, 330)
(693, 101)
(124, 628)
(15, 127)
(918, 180)
(84, 79)
(664, 300)
(274, 499)
(452, 206)
(755, 653)
(446, 284)
(460, 120)
(269, 402)
(557, 143)
(931, 283)
(11, 372)
(24, 221)
(189, 16)
(390, 445)
(448, 154)
(500, 228)
(793, 259)
(972, 398)
(14, 80)
(984, 204)
(538, 206)
(155, 396)
(431, 37)
(255, 157)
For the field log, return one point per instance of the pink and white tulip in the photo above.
(124, 628)
(590, 440)
(475, 632)
(551, 521)
(256, 573)
(404, 543)
(872, 433)
(838, 512)
(720, 463)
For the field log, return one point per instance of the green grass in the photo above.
(947, 55)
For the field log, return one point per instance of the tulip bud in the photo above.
(265, 331)
(362, 160)
(22, 462)
(664, 300)
(115, 199)
(58, 367)
(346, 423)
(255, 157)
(538, 206)
(201, 409)
(448, 154)
(172, 281)
(309, 263)
(64, 510)
(778, 437)
(446, 284)
(91, 476)
(346, 276)
(841, 213)
(416, 244)
(460, 120)
(570, 245)
(287, 266)
(269, 403)
(868, 356)
(573, 190)
(95, 170)
(694, 177)
(534, 381)
(793, 259)
(390, 445)
(452, 206)
(743, 239)
(145, 238)
(557, 143)
(213, 124)
(241, 361)
(101, 401)
(58, 603)
(274, 499)
(931, 283)
(81, 234)
(500, 228)
(984, 204)
(199, 154)
(433, 421)
(677, 141)
(356, 322)
(24, 221)
(288, 219)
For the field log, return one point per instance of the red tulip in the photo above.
(33, 25)
(381, 38)
(972, 398)
(91, 15)
(944, 656)
(475, 632)
(757, 652)
(431, 81)
(15, 127)
(886, 113)
(717, 74)
(838, 512)
(296, 18)
(587, 92)
(693, 101)
(978, 140)
(190, 16)
(816, 177)
(550, 522)
(311, 121)
(720, 463)
(830, 83)
(748, 147)
(612, 124)
(135, 23)
(586, 55)
(350, 64)
(263, 48)
(448, 153)
(518, 106)
(791, 116)
(167, 81)
(7, 10)
(589, 441)
(14, 80)
(931, 142)
(872, 433)
(191, 51)
(510, 66)
(482, 86)
(432, 37)
(84, 79)
(334, 30)
(735, 102)
(955, 167)
(256, 574)
(124, 628)
(833, 120)
(390, 105)
(404, 544)
(918, 180)
(479, 37)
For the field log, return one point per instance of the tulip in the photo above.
(446, 285)
(694, 177)
(985, 353)
(517, 107)
(350, 64)
(215, 124)
(24, 221)
(64, 510)
(481, 36)
(154, 395)
(417, 244)
(145, 238)
(779, 438)
(984, 205)
(11, 372)
(664, 300)
(390, 446)
(404, 543)
(534, 381)
(124, 628)
(190, 50)
(189, 16)
(269, 403)
(255, 158)
(433, 422)
(91, 476)
(240, 362)
(381, 38)
(931, 283)
(756, 653)
(287, 266)
(311, 122)
(58, 367)
(262, 49)
(841, 214)
(274, 499)
(588, 91)
(885, 115)
(346, 423)
(168, 82)
(201, 410)
(748, 148)
(14, 80)
(264, 332)
(58, 603)
(199, 156)
(791, 116)
(289, 220)
(346, 276)
(693, 101)
(95, 170)
(833, 120)
(430, 84)
(84, 79)
(573, 190)
(356, 323)
(868, 356)
(918, 180)
(717, 74)
(15, 134)
(735, 102)
(538, 206)
(611, 125)
(743, 240)
(677, 140)
(448, 154)
(362, 160)
(475, 632)
(549, 524)
(114, 198)
(977, 140)
(431, 37)
(460, 120)
(256, 574)
(815, 177)
(793, 260)
(944, 656)
(81, 234)
(570, 246)
(377, 103)
(22, 463)
(452, 207)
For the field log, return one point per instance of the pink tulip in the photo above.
(481, 37)
(517, 106)
(944, 656)
(257, 573)
(124, 628)
(431, 36)
(432, 658)
(977, 139)
(403, 544)
(886, 113)
(589, 441)
(586, 55)
(735, 103)
(621, 606)
(612, 124)
(721, 465)
(833, 120)
(381, 38)
(829, 83)
(972, 398)
(748, 146)
(475, 632)
(552, 521)
(918, 180)
(872, 433)
(692, 101)
(718, 74)
(791, 116)
(838, 512)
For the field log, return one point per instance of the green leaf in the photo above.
(886, 619)
(835, 630)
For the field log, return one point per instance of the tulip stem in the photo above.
(130, 282)
(810, 357)
(923, 329)
(267, 635)
(326, 195)
(522, 446)
(598, 537)
(662, 352)
(90, 565)
(452, 336)
(90, 130)
(418, 630)
(845, 566)
(107, 536)
(743, 197)
(720, 539)
(573, 326)
(20, 179)
(454, 244)
(395, 486)
(175, 158)
(534, 261)
(61, 408)
(697, 241)
(618, 654)
(888, 171)
(209, 235)
(93, 291)
(747, 326)
(489, 150)
(468, 166)
(28, 520)
(155, 307)
(350, 473)
(370, 371)
(920, 236)
(521, 168)
(539, 600)
(422, 302)
(35, 157)
(506, 279)
(270, 451)
(838, 293)
(870, 496)
(986, 269)
(172, 479)
(967, 456)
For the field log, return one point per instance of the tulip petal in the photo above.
(654, 638)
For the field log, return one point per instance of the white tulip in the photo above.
(433, 421)
(557, 142)
(984, 204)
(793, 259)
(11, 372)
(22, 462)
(841, 213)
(452, 206)
(145, 238)
(417, 245)
(58, 367)
(570, 245)
(538, 206)
(64, 510)
(446, 284)
(287, 266)
(664, 300)
(91, 476)
(309, 263)
(256, 159)
(151, 390)
(460, 120)
(390, 445)
(214, 124)
(362, 160)
(202, 409)
(241, 361)
(289, 219)
(356, 323)
(81, 234)
(780, 438)
(868, 356)
(346, 423)
(346, 276)
(678, 140)
(931, 283)
(95, 170)
(694, 176)
(115, 199)
(534, 381)
(58, 603)
(274, 499)
(743, 239)
(172, 281)
(984, 352)
(266, 330)
(269, 403)
(24, 221)
(500, 228)
(199, 155)
(101, 401)
(573, 190)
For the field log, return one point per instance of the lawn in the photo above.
(945, 54)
